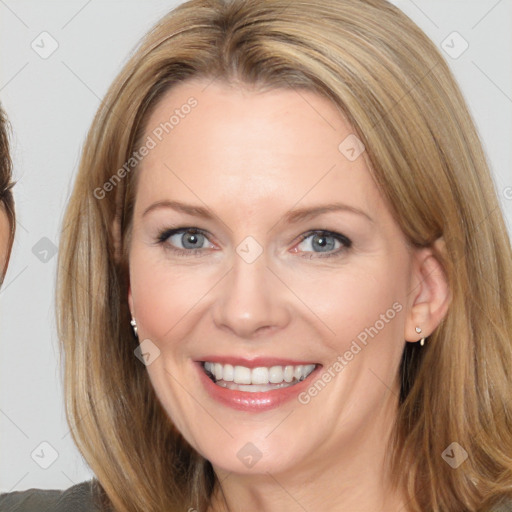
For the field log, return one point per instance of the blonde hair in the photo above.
(392, 85)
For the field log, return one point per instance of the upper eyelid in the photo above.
(334, 234)
(345, 240)
(176, 231)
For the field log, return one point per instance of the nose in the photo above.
(252, 301)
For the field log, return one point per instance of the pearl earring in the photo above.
(422, 341)
(134, 327)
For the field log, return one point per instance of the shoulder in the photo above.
(78, 498)
(505, 505)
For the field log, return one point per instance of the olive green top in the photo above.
(81, 498)
(78, 498)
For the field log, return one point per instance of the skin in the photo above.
(5, 231)
(250, 157)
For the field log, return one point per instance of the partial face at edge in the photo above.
(252, 282)
(5, 235)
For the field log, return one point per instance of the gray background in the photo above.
(51, 102)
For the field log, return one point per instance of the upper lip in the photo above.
(255, 362)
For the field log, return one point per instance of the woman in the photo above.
(7, 216)
(284, 278)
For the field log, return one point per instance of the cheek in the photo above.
(359, 300)
(163, 295)
(5, 230)
(363, 299)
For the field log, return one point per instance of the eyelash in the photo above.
(166, 234)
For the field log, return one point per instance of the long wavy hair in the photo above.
(395, 89)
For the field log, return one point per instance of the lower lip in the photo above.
(253, 402)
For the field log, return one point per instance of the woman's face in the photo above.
(293, 265)
(5, 235)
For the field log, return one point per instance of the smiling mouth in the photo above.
(260, 379)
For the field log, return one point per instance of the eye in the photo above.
(184, 241)
(324, 243)
(187, 241)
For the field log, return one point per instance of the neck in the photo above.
(354, 476)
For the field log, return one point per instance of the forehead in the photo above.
(225, 144)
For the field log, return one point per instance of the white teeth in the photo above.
(308, 369)
(228, 373)
(288, 373)
(218, 371)
(253, 388)
(242, 375)
(276, 375)
(258, 377)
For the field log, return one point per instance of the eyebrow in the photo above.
(291, 217)
(301, 214)
(196, 211)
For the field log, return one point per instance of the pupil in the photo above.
(322, 242)
(191, 240)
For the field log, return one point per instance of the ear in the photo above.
(130, 299)
(430, 295)
(116, 237)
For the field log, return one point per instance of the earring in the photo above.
(134, 327)
(422, 341)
